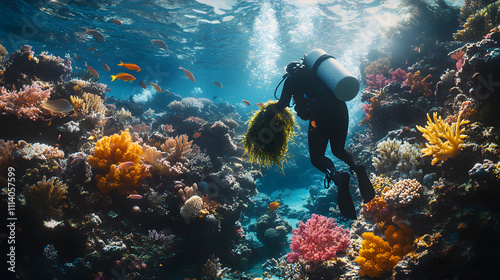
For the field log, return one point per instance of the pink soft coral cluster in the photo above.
(399, 75)
(24, 103)
(318, 240)
(376, 81)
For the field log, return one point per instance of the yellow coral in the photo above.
(438, 129)
(375, 256)
(109, 153)
(87, 105)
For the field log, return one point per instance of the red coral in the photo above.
(24, 103)
(418, 83)
(318, 240)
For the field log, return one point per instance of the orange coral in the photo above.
(418, 84)
(377, 209)
(375, 256)
(109, 153)
(177, 148)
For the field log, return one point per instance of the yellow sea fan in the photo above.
(438, 130)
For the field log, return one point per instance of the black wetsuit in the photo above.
(329, 114)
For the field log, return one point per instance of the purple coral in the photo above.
(398, 75)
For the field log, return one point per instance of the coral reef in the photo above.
(395, 155)
(45, 195)
(37, 151)
(6, 151)
(479, 23)
(87, 105)
(381, 66)
(419, 84)
(404, 194)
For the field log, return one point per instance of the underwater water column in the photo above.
(264, 47)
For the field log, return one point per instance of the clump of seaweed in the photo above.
(479, 23)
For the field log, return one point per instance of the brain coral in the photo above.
(191, 208)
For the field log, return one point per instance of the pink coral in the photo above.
(24, 103)
(318, 240)
(398, 75)
(376, 81)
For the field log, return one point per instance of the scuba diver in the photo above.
(328, 121)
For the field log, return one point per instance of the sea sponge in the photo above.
(109, 153)
(375, 256)
(479, 23)
(191, 208)
(266, 142)
(438, 130)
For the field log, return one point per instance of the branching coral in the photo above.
(318, 240)
(177, 148)
(397, 155)
(45, 195)
(24, 103)
(109, 155)
(479, 23)
(87, 105)
(418, 83)
(38, 151)
(438, 130)
(378, 81)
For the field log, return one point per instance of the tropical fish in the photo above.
(313, 124)
(246, 102)
(196, 135)
(123, 77)
(217, 84)
(130, 66)
(97, 35)
(274, 205)
(92, 49)
(134, 196)
(160, 43)
(77, 57)
(143, 85)
(215, 96)
(157, 87)
(116, 21)
(99, 54)
(125, 165)
(188, 74)
(76, 87)
(260, 105)
(92, 70)
(105, 66)
(168, 92)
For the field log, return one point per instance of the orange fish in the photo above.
(188, 74)
(130, 66)
(157, 87)
(125, 165)
(105, 66)
(260, 105)
(160, 43)
(274, 205)
(143, 85)
(246, 102)
(123, 77)
(196, 135)
(217, 84)
(116, 21)
(313, 124)
(97, 35)
(92, 70)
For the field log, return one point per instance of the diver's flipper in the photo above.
(344, 199)
(365, 186)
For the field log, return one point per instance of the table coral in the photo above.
(109, 153)
(438, 130)
(318, 240)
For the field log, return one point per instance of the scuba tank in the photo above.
(342, 83)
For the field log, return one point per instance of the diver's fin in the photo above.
(365, 186)
(344, 199)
